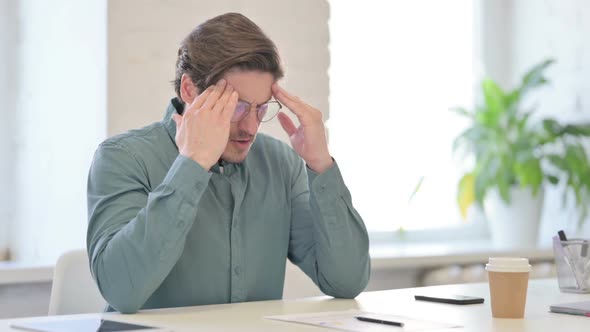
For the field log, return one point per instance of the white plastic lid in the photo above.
(508, 264)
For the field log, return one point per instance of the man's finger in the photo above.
(287, 124)
(199, 100)
(277, 88)
(293, 106)
(296, 106)
(215, 95)
(222, 101)
(293, 98)
(230, 106)
(177, 119)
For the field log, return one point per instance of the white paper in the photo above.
(346, 321)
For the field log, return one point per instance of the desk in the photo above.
(248, 316)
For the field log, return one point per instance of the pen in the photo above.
(379, 321)
(570, 260)
(562, 236)
(583, 251)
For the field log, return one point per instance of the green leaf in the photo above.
(529, 173)
(559, 162)
(577, 130)
(416, 189)
(466, 193)
(564, 196)
(469, 136)
(494, 97)
(481, 186)
(485, 177)
(576, 159)
(578, 193)
(552, 179)
(504, 188)
(536, 175)
(462, 111)
(534, 77)
(513, 98)
(489, 120)
(551, 130)
(552, 126)
(522, 122)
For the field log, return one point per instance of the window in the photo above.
(396, 68)
(50, 123)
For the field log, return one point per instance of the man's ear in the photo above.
(188, 91)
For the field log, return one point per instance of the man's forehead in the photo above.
(252, 86)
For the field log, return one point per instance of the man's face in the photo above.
(253, 87)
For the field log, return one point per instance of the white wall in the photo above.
(60, 120)
(557, 29)
(144, 36)
(8, 81)
(494, 46)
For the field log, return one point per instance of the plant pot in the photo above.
(515, 225)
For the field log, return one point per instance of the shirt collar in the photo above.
(174, 107)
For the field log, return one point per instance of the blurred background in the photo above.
(384, 73)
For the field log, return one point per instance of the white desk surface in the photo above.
(249, 316)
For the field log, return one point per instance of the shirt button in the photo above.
(237, 270)
(322, 189)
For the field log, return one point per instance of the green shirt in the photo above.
(164, 232)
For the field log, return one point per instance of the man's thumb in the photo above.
(177, 119)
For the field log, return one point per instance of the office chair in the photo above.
(73, 290)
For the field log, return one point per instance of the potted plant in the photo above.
(517, 154)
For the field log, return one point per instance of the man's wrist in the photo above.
(321, 166)
(202, 161)
(186, 175)
(206, 165)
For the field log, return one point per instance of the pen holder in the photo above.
(572, 259)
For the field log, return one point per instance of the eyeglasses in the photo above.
(264, 112)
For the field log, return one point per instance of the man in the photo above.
(199, 209)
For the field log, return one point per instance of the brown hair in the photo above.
(225, 42)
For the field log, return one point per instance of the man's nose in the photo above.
(250, 123)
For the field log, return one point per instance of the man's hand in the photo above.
(309, 140)
(202, 132)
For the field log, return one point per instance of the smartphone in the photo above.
(450, 299)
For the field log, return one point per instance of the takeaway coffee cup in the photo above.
(509, 279)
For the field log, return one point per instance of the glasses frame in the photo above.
(256, 106)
